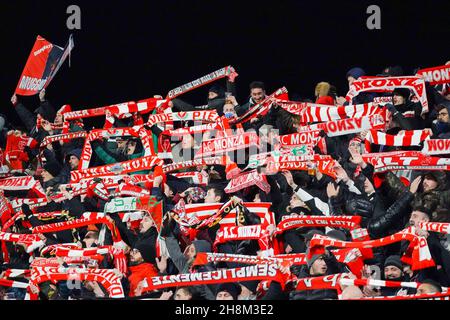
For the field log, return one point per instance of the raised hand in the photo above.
(332, 191)
(415, 184)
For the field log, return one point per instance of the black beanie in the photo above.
(404, 92)
(232, 288)
(147, 251)
(310, 262)
(217, 89)
(53, 168)
(250, 285)
(310, 234)
(337, 234)
(395, 261)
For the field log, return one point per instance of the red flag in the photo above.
(43, 62)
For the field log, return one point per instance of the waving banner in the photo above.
(42, 64)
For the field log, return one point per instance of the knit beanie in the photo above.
(53, 168)
(395, 261)
(232, 288)
(147, 251)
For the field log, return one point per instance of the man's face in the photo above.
(121, 144)
(135, 257)
(187, 142)
(224, 295)
(73, 162)
(429, 184)
(417, 217)
(131, 148)
(257, 94)
(89, 239)
(245, 294)
(229, 108)
(443, 116)
(58, 118)
(397, 100)
(190, 252)
(296, 202)
(145, 224)
(368, 187)
(212, 95)
(350, 80)
(392, 272)
(319, 267)
(46, 176)
(181, 294)
(211, 197)
(426, 288)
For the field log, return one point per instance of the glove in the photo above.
(391, 108)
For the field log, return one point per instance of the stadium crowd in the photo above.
(230, 185)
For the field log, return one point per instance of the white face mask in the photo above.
(249, 297)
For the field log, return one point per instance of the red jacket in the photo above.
(139, 273)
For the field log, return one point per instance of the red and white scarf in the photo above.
(255, 272)
(136, 131)
(203, 258)
(425, 296)
(204, 116)
(348, 126)
(436, 75)
(61, 137)
(197, 177)
(260, 109)
(119, 257)
(436, 146)
(143, 106)
(23, 183)
(347, 222)
(324, 166)
(417, 255)
(139, 164)
(190, 130)
(201, 211)
(87, 219)
(106, 277)
(14, 151)
(226, 144)
(312, 112)
(13, 284)
(31, 240)
(407, 160)
(404, 138)
(440, 227)
(248, 179)
(253, 232)
(227, 71)
(388, 84)
(168, 168)
(301, 138)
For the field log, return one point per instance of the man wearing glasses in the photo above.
(441, 126)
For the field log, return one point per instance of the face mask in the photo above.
(229, 115)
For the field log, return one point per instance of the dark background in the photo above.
(131, 50)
